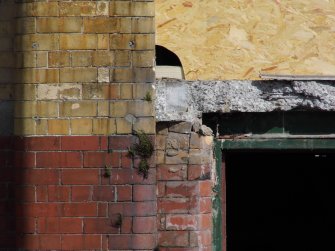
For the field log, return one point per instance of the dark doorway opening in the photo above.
(280, 201)
(166, 57)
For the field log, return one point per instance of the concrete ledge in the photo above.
(181, 100)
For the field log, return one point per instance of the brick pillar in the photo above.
(184, 164)
(84, 69)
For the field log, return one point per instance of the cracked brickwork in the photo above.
(184, 184)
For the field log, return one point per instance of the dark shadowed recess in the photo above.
(270, 123)
(166, 57)
(280, 201)
(11, 161)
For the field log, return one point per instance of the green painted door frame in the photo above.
(218, 234)
(291, 131)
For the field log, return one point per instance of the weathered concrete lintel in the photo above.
(181, 100)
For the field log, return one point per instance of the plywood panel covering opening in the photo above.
(229, 39)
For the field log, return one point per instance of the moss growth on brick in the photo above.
(148, 97)
(143, 149)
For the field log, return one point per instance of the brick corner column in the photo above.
(184, 164)
(83, 70)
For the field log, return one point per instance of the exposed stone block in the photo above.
(162, 128)
(160, 142)
(182, 157)
(201, 142)
(206, 131)
(199, 157)
(177, 141)
(182, 127)
(171, 172)
(198, 172)
(195, 140)
(160, 157)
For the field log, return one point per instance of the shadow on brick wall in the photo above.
(10, 160)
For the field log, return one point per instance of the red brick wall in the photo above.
(56, 190)
(184, 160)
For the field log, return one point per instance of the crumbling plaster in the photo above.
(181, 100)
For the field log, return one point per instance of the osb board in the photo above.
(227, 39)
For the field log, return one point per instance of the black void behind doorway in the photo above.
(280, 201)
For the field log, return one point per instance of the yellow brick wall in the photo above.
(82, 67)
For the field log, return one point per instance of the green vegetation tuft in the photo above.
(144, 149)
(148, 97)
